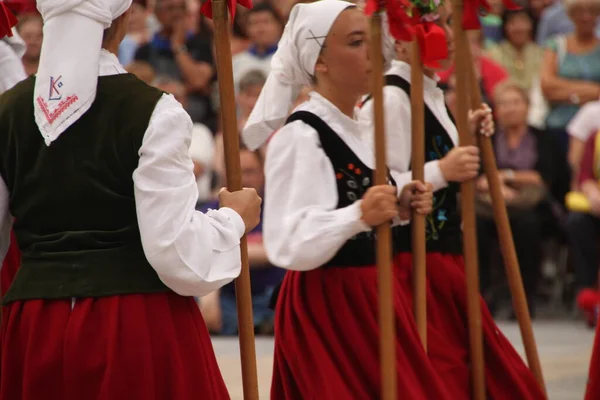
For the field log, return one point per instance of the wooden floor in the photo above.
(564, 347)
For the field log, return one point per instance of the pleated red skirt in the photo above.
(10, 265)
(507, 376)
(150, 347)
(593, 384)
(327, 339)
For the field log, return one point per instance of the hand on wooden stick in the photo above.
(481, 121)
(245, 202)
(460, 164)
(379, 205)
(417, 196)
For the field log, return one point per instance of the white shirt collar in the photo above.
(402, 69)
(332, 115)
(109, 64)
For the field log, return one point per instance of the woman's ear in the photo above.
(320, 66)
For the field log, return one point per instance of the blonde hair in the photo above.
(569, 4)
(507, 86)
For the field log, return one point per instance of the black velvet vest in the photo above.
(443, 225)
(73, 201)
(353, 179)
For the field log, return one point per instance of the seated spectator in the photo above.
(183, 56)
(489, 72)
(555, 21)
(142, 70)
(491, 23)
(527, 170)
(264, 28)
(263, 276)
(138, 32)
(584, 226)
(570, 77)
(30, 30)
(585, 124)
(518, 53)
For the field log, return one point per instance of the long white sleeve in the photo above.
(302, 230)
(193, 253)
(11, 67)
(5, 220)
(399, 138)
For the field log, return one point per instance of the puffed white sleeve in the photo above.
(302, 229)
(399, 138)
(11, 67)
(193, 253)
(5, 220)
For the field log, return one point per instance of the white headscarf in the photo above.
(67, 77)
(388, 41)
(292, 66)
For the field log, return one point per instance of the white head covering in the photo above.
(67, 77)
(292, 66)
(16, 43)
(388, 41)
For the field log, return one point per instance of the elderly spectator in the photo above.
(527, 170)
(570, 77)
(555, 21)
(264, 28)
(518, 53)
(30, 30)
(181, 55)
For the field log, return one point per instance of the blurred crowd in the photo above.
(538, 67)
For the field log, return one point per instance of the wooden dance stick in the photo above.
(234, 183)
(468, 210)
(507, 244)
(387, 334)
(419, 250)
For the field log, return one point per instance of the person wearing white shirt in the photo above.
(583, 125)
(96, 170)
(447, 164)
(321, 206)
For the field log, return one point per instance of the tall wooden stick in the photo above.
(234, 183)
(419, 250)
(387, 336)
(507, 244)
(468, 210)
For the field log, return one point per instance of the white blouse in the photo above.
(11, 67)
(302, 229)
(398, 125)
(193, 253)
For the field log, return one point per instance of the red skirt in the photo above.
(327, 339)
(507, 376)
(593, 385)
(150, 347)
(10, 265)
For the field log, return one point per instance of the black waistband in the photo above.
(95, 273)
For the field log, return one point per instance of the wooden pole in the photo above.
(468, 211)
(419, 250)
(234, 183)
(505, 237)
(387, 336)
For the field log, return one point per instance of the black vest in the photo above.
(443, 225)
(73, 201)
(353, 179)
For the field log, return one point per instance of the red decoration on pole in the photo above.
(231, 4)
(7, 21)
(472, 9)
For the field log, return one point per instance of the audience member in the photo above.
(555, 21)
(138, 32)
